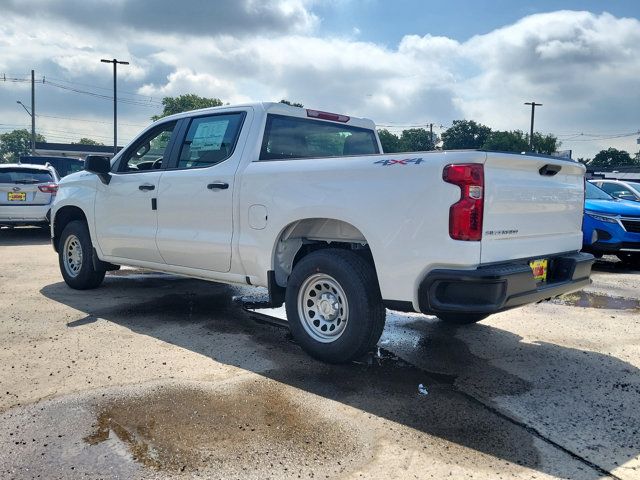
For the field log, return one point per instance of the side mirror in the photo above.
(100, 165)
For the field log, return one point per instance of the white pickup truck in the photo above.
(305, 203)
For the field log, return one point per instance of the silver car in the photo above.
(26, 193)
(623, 189)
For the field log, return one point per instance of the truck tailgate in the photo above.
(529, 210)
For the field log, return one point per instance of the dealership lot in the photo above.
(154, 376)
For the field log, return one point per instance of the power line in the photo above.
(94, 121)
(149, 103)
(105, 88)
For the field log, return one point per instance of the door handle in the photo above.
(146, 187)
(218, 186)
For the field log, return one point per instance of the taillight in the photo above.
(51, 188)
(465, 216)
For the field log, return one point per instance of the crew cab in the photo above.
(305, 203)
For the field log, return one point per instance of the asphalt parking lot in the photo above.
(156, 376)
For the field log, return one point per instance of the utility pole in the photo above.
(533, 112)
(115, 101)
(33, 113)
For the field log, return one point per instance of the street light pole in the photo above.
(533, 112)
(33, 113)
(115, 101)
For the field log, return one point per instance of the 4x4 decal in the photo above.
(404, 161)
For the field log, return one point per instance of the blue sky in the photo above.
(400, 63)
(387, 22)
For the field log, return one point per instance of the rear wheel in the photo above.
(334, 305)
(462, 318)
(75, 257)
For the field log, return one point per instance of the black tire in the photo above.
(365, 312)
(87, 276)
(462, 318)
(630, 259)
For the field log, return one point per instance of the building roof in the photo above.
(72, 149)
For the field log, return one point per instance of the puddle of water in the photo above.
(187, 429)
(597, 300)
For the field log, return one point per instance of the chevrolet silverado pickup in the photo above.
(305, 203)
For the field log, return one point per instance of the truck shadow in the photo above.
(466, 391)
(24, 236)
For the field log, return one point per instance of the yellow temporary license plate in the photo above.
(17, 196)
(539, 269)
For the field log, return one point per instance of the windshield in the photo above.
(24, 175)
(594, 193)
(635, 185)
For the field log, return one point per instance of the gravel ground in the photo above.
(156, 376)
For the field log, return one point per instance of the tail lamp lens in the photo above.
(465, 216)
(51, 188)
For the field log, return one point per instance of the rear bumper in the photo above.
(24, 214)
(495, 288)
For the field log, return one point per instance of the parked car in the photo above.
(63, 165)
(304, 203)
(26, 193)
(623, 189)
(611, 226)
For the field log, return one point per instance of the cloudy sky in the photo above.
(401, 63)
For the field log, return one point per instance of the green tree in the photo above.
(87, 141)
(546, 144)
(293, 104)
(465, 134)
(417, 140)
(184, 103)
(16, 143)
(390, 141)
(514, 141)
(517, 141)
(612, 158)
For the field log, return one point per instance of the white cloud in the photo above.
(583, 67)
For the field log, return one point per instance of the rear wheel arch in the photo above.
(305, 236)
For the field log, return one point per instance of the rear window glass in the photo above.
(24, 175)
(291, 137)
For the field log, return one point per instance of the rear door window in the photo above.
(292, 137)
(24, 176)
(210, 140)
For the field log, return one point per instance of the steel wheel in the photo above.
(72, 255)
(323, 308)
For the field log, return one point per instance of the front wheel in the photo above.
(461, 318)
(334, 306)
(75, 257)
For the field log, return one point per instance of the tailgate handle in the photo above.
(549, 170)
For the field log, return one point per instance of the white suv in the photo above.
(27, 193)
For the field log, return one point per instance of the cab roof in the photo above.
(278, 109)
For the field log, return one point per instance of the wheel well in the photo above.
(305, 236)
(62, 219)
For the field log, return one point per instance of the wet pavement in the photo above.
(156, 376)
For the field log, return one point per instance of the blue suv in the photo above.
(611, 226)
